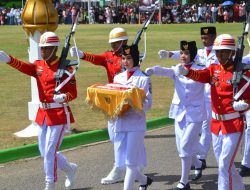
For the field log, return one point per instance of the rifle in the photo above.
(63, 62)
(239, 67)
(144, 28)
(139, 33)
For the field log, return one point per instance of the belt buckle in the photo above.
(219, 117)
(46, 105)
(222, 117)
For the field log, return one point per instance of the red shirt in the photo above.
(109, 60)
(221, 95)
(46, 83)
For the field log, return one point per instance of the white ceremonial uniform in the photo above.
(246, 156)
(127, 132)
(204, 60)
(188, 109)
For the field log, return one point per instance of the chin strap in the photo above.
(51, 54)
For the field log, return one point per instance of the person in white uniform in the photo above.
(111, 61)
(244, 169)
(204, 57)
(188, 109)
(127, 131)
(227, 123)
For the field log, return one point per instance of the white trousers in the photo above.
(130, 152)
(50, 139)
(187, 138)
(225, 149)
(206, 136)
(129, 149)
(246, 156)
(133, 173)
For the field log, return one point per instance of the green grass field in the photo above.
(15, 90)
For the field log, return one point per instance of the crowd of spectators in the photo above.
(131, 14)
(10, 16)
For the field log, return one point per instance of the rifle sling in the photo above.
(243, 89)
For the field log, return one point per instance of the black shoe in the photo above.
(198, 175)
(186, 187)
(192, 167)
(149, 182)
(203, 164)
(244, 171)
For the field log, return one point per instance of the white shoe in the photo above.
(70, 174)
(114, 176)
(49, 186)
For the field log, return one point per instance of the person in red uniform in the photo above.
(111, 61)
(227, 122)
(53, 108)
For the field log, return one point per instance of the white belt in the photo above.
(50, 105)
(225, 117)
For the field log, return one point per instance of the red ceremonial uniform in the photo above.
(221, 96)
(110, 60)
(46, 83)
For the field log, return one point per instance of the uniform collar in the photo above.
(209, 48)
(133, 69)
(54, 62)
(229, 68)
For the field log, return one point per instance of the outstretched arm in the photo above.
(22, 66)
(164, 54)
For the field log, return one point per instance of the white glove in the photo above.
(74, 50)
(180, 69)
(149, 71)
(4, 57)
(163, 54)
(240, 105)
(59, 98)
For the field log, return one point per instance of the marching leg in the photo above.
(69, 169)
(245, 163)
(116, 174)
(131, 173)
(228, 178)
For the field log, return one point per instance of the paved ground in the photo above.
(96, 161)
